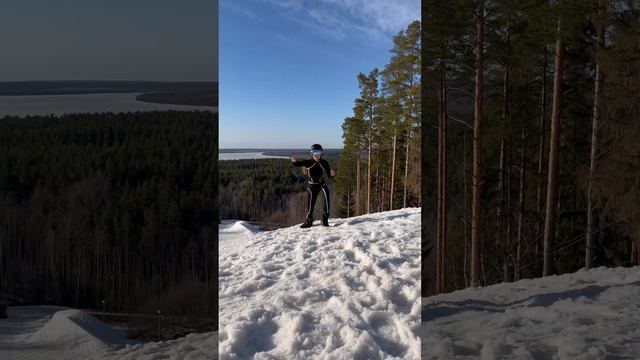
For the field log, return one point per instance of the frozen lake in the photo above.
(83, 103)
(247, 155)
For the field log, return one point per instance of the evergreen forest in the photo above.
(530, 150)
(114, 212)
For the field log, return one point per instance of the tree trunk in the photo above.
(541, 147)
(439, 199)
(370, 138)
(378, 180)
(554, 144)
(520, 240)
(595, 130)
(502, 241)
(475, 202)
(444, 182)
(393, 167)
(348, 201)
(441, 221)
(406, 171)
(357, 195)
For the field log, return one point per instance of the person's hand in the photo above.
(293, 158)
(333, 173)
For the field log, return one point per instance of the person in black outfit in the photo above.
(317, 168)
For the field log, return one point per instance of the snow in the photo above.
(74, 329)
(233, 235)
(585, 315)
(191, 347)
(53, 332)
(350, 291)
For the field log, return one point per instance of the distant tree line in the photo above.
(207, 97)
(531, 155)
(110, 211)
(379, 167)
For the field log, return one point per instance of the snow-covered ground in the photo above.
(233, 235)
(55, 332)
(350, 291)
(586, 315)
(191, 347)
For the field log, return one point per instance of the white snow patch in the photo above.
(56, 333)
(75, 330)
(53, 332)
(237, 227)
(351, 291)
(585, 315)
(233, 235)
(191, 347)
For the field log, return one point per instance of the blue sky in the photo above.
(288, 68)
(164, 40)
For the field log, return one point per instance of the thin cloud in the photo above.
(237, 8)
(339, 19)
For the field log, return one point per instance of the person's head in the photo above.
(316, 152)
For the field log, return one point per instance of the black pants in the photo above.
(314, 191)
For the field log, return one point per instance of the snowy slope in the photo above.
(233, 235)
(53, 332)
(351, 291)
(56, 333)
(586, 315)
(191, 347)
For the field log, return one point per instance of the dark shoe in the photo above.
(325, 220)
(307, 224)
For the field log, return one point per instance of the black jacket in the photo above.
(315, 170)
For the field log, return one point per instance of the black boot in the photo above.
(325, 220)
(307, 224)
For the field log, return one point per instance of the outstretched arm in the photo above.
(298, 163)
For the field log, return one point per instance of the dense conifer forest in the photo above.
(530, 155)
(114, 212)
(379, 167)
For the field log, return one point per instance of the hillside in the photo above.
(347, 291)
(585, 315)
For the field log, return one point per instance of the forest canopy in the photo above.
(110, 211)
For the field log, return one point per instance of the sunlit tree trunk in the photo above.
(554, 145)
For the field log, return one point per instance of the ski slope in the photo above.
(57, 333)
(54, 332)
(233, 235)
(591, 314)
(350, 291)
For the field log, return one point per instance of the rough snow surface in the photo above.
(234, 235)
(191, 347)
(350, 291)
(591, 314)
(52, 332)
(56, 333)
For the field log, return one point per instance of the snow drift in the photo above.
(351, 291)
(191, 347)
(233, 235)
(586, 315)
(236, 227)
(55, 332)
(78, 331)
